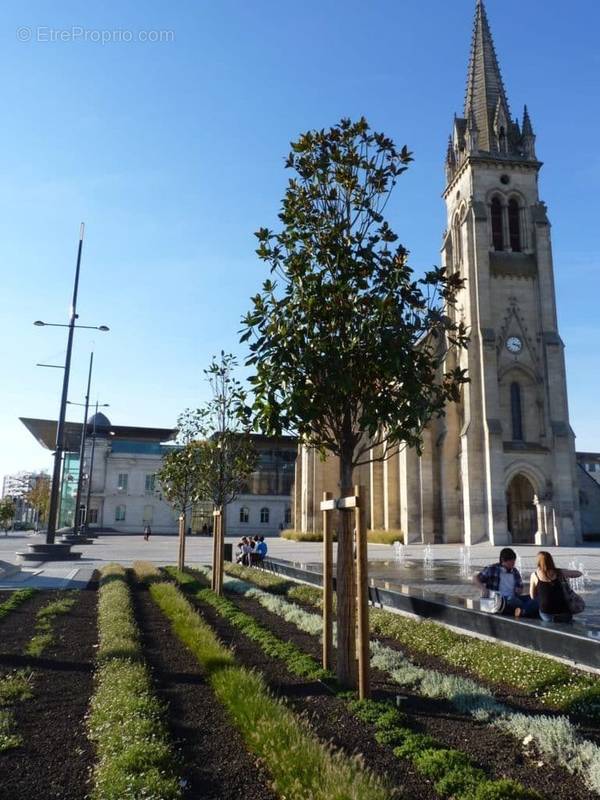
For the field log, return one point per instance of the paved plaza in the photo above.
(442, 573)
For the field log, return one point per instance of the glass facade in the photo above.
(131, 446)
(68, 490)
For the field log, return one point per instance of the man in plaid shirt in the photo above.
(505, 579)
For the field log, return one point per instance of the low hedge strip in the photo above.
(17, 598)
(8, 738)
(44, 633)
(17, 686)
(301, 766)
(375, 537)
(135, 758)
(298, 662)
(554, 684)
(452, 771)
(556, 737)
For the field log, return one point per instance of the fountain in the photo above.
(465, 562)
(399, 552)
(428, 558)
(578, 584)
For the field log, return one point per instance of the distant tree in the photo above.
(7, 513)
(349, 348)
(225, 424)
(180, 477)
(38, 497)
(217, 455)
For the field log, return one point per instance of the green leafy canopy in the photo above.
(216, 455)
(348, 346)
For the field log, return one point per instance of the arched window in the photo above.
(497, 233)
(514, 226)
(457, 241)
(264, 515)
(288, 516)
(244, 514)
(120, 514)
(516, 414)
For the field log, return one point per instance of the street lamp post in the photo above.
(77, 521)
(79, 531)
(53, 511)
(91, 469)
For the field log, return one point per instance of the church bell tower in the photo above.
(507, 454)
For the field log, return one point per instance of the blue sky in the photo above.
(172, 153)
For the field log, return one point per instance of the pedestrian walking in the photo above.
(147, 532)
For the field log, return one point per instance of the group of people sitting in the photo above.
(251, 550)
(548, 587)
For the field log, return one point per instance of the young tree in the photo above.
(228, 455)
(38, 497)
(180, 476)
(349, 348)
(7, 513)
(217, 456)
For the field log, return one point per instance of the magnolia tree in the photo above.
(349, 348)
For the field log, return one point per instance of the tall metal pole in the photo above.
(77, 520)
(90, 472)
(60, 428)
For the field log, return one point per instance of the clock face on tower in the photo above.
(514, 344)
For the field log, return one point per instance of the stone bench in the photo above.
(578, 643)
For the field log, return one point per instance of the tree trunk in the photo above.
(181, 554)
(346, 585)
(220, 551)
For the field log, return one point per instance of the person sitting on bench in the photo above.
(260, 549)
(505, 579)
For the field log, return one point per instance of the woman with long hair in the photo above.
(546, 583)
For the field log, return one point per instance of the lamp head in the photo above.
(39, 322)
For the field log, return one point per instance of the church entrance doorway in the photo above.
(521, 509)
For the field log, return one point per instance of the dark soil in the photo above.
(55, 759)
(16, 629)
(328, 716)
(216, 764)
(499, 755)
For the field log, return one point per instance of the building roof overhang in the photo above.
(44, 431)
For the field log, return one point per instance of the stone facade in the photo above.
(125, 498)
(500, 466)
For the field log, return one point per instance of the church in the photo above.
(500, 466)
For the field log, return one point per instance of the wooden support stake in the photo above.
(219, 553)
(181, 553)
(327, 587)
(362, 595)
(213, 577)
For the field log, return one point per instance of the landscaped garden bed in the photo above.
(478, 738)
(214, 761)
(527, 680)
(46, 653)
(165, 691)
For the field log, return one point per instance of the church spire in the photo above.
(528, 136)
(486, 100)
